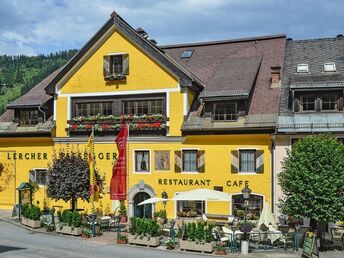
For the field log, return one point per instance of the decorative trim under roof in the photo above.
(318, 84)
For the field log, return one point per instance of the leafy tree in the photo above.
(312, 179)
(69, 177)
(6, 176)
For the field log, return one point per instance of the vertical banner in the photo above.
(118, 185)
(93, 182)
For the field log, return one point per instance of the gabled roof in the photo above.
(186, 79)
(236, 68)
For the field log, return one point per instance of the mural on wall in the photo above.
(162, 160)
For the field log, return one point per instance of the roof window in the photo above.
(330, 67)
(187, 53)
(302, 68)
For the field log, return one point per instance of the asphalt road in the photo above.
(19, 242)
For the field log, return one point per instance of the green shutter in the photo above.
(260, 161)
(178, 161)
(125, 59)
(201, 161)
(32, 178)
(106, 66)
(234, 161)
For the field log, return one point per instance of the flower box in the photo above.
(137, 240)
(64, 229)
(194, 246)
(31, 223)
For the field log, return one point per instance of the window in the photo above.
(225, 111)
(218, 188)
(143, 107)
(330, 67)
(247, 160)
(190, 208)
(28, 117)
(187, 54)
(142, 161)
(308, 103)
(329, 102)
(38, 176)
(93, 108)
(302, 68)
(190, 161)
(254, 208)
(116, 66)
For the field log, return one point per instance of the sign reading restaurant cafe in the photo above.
(200, 182)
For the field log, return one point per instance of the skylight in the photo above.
(187, 53)
(302, 68)
(330, 67)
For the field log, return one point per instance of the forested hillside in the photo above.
(18, 74)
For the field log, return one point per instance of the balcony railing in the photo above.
(138, 124)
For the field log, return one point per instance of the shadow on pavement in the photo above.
(5, 248)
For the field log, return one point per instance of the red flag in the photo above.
(118, 185)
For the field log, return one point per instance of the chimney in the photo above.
(275, 74)
(142, 32)
(153, 41)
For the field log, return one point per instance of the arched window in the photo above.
(254, 209)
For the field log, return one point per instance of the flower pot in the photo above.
(220, 252)
(31, 223)
(194, 246)
(120, 241)
(85, 236)
(63, 229)
(123, 219)
(244, 247)
(138, 240)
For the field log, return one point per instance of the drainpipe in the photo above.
(272, 153)
(44, 114)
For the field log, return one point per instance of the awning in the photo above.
(153, 200)
(202, 195)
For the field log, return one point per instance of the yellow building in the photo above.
(201, 115)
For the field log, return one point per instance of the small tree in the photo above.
(312, 179)
(6, 176)
(69, 177)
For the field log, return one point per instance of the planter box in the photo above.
(193, 246)
(31, 223)
(153, 241)
(68, 230)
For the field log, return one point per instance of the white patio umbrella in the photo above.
(153, 200)
(202, 195)
(266, 217)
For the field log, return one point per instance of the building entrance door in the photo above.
(142, 211)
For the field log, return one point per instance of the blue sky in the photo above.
(42, 26)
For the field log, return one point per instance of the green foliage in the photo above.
(199, 232)
(122, 209)
(312, 179)
(160, 214)
(18, 74)
(144, 227)
(31, 212)
(71, 218)
(69, 176)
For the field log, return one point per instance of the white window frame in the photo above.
(182, 168)
(328, 64)
(300, 70)
(247, 173)
(150, 162)
(35, 170)
(231, 202)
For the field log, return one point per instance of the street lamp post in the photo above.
(246, 192)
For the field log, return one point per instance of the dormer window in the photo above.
(225, 111)
(28, 117)
(302, 68)
(330, 67)
(116, 66)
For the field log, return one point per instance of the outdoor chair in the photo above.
(338, 237)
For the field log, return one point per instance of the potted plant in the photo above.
(31, 216)
(160, 216)
(144, 231)
(220, 250)
(198, 237)
(245, 228)
(122, 239)
(170, 245)
(70, 223)
(122, 212)
(86, 233)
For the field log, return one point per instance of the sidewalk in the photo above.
(109, 238)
